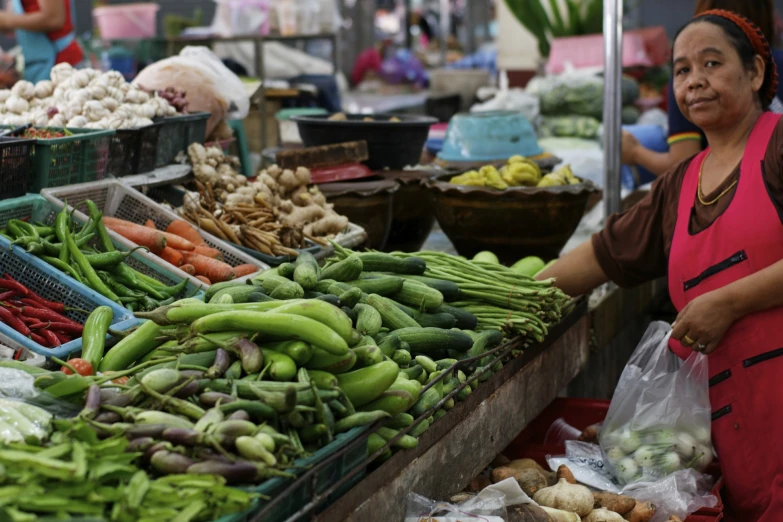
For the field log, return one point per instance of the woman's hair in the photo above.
(748, 40)
(760, 12)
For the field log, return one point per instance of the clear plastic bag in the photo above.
(487, 506)
(659, 419)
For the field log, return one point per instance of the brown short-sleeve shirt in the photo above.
(634, 245)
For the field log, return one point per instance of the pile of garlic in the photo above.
(81, 99)
(283, 190)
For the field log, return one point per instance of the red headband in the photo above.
(760, 46)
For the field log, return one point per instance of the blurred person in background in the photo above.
(46, 32)
(685, 138)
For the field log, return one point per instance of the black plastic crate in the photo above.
(177, 133)
(134, 151)
(16, 167)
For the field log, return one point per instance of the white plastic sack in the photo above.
(210, 86)
(241, 17)
(488, 506)
(659, 419)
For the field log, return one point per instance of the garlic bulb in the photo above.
(61, 72)
(23, 89)
(58, 120)
(565, 496)
(17, 105)
(77, 122)
(44, 89)
(97, 92)
(142, 122)
(94, 110)
(136, 96)
(110, 103)
(115, 122)
(115, 93)
(4, 95)
(147, 110)
(80, 79)
(114, 78)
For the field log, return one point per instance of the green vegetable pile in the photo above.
(76, 474)
(88, 255)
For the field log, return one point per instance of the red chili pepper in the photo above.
(63, 338)
(60, 327)
(10, 284)
(40, 340)
(29, 320)
(7, 317)
(45, 314)
(39, 301)
(8, 295)
(50, 338)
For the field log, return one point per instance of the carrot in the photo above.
(172, 256)
(214, 270)
(180, 243)
(204, 279)
(204, 250)
(183, 229)
(150, 224)
(188, 269)
(142, 236)
(243, 270)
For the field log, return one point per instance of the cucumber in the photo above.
(350, 313)
(348, 269)
(323, 380)
(430, 340)
(382, 285)
(441, 320)
(427, 364)
(306, 270)
(528, 266)
(380, 262)
(401, 420)
(350, 297)
(239, 293)
(329, 298)
(427, 400)
(299, 351)
(546, 266)
(391, 317)
(323, 285)
(418, 296)
(449, 289)
(269, 280)
(286, 270)
(402, 358)
(258, 297)
(374, 443)
(465, 320)
(288, 290)
(405, 442)
(217, 287)
(368, 320)
(389, 345)
(413, 372)
(367, 355)
(485, 341)
(418, 430)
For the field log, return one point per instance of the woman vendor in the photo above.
(714, 226)
(685, 138)
(45, 31)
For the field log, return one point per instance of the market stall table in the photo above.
(463, 442)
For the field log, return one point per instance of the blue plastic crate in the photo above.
(52, 284)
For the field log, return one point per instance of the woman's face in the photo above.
(712, 87)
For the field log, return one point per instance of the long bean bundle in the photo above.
(500, 298)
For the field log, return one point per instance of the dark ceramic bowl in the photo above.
(512, 223)
(366, 203)
(391, 144)
(413, 211)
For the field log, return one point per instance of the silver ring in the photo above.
(701, 347)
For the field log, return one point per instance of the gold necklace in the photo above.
(699, 192)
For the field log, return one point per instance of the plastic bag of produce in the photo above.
(487, 506)
(209, 85)
(659, 419)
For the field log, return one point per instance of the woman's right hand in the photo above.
(630, 145)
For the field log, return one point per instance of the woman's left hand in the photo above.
(703, 322)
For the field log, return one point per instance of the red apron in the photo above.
(746, 370)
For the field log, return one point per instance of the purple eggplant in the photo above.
(170, 463)
(183, 436)
(221, 364)
(187, 374)
(145, 430)
(235, 428)
(188, 390)
(140, 444)
(210, 399)
(201, 454)
(234, 473)
(249, 353)
(239, 415)
(108, 417)
(92, 402)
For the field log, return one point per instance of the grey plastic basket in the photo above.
(39, 209)
(118, 200)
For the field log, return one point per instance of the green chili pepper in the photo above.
(87, 229)
(100, 228)
(89, 273)
(110, 259)
(63, 267)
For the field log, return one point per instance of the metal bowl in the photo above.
(512, 223)
(391, 144)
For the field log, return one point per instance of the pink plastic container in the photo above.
(588, 51)
(127, 21)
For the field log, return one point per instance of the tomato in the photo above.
(119, 380)
(81, 366)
